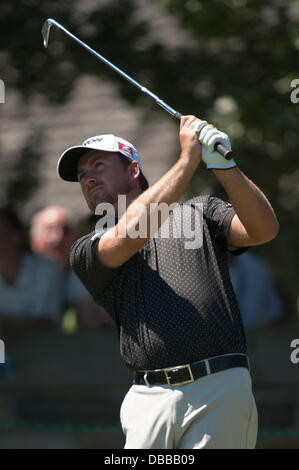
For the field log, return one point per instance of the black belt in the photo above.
(187, 373)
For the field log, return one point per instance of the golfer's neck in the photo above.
(124, 200)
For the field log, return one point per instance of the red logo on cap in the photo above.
(125, 148)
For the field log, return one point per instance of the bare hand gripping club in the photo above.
(46, 32)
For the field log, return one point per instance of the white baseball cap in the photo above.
(67, 163)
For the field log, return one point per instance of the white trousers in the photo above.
(217, 411)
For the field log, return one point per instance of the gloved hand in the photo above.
(208, 137)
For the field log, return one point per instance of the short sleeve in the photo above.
(95, 277)
(219, 216)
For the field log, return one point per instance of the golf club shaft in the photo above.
(46, 31)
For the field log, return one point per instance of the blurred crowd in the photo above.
(38, 288)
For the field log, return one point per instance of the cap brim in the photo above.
(67, 163)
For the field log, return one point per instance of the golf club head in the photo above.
(46, 31)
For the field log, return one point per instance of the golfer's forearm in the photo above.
(251, 205)
(118, 245)
(168, 189)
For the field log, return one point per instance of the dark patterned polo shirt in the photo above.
(173, 301)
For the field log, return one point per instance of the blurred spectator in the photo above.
(52, 234)
(259, 302)
(29, 284)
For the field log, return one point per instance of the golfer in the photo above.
(170, 294)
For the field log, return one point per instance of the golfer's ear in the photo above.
(134, 170)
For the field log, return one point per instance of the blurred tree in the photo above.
(24, 179)
(247, 51)
(234, 69)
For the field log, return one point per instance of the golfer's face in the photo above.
(102, 177)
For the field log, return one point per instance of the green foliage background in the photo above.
(235, 70)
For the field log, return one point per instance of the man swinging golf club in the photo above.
(179, 324)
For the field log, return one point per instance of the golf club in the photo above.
(227, 154)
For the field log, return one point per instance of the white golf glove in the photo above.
(208, 137)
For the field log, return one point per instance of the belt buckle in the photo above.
(187, 366)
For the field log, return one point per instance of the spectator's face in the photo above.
(53, 236)
(102, 177)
